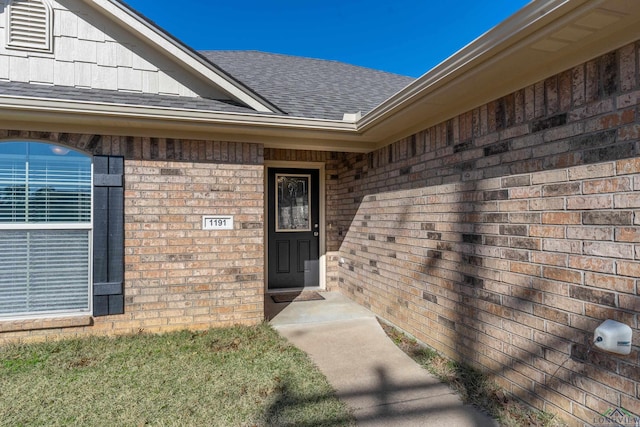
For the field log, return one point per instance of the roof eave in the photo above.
(274, 131)
(525, 49)
(517, 53)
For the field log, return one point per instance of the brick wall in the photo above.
(505, 235)
(176, 275)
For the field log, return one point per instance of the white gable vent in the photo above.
(29, 25)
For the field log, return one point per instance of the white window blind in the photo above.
(29, 25)
(38, 185)
(44, 271)
(45, 229)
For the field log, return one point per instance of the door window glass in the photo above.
(293, 203)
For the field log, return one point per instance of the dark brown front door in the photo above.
(293, 228)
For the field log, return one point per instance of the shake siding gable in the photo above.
(86, 50)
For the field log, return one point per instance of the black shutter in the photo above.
(108, 235)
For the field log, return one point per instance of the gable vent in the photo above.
(29, 25)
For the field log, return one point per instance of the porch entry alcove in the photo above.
(293, 228)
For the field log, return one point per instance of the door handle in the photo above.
(316, 234)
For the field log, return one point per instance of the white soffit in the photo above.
(543, 39)
(120, 13)
(578, 30)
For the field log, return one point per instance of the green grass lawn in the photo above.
(240, 376)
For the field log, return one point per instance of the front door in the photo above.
(293, 228)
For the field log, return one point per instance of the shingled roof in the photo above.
(254, 82)
(301, 87)
(311, 88)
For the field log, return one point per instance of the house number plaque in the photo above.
(217, 222)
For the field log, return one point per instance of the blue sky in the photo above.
(402, 36)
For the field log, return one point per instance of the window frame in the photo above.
(56, 226)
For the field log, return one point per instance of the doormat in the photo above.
(296, 296)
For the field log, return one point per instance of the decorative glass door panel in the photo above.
(293, 203)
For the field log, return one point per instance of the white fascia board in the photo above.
(120, 13)
(271, 131)
(166, 113)
(516, 28)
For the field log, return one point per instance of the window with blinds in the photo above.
(29, 25)
(45, 229)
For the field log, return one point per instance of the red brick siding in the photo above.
(505, 235)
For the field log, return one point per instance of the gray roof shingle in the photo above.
(301, 87)
(312, 88)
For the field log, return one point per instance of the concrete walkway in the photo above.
(382, 385)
